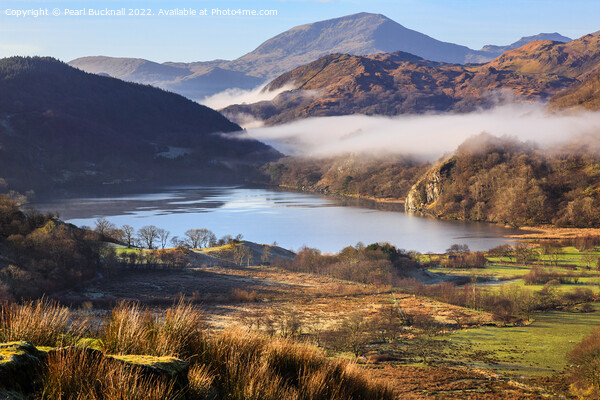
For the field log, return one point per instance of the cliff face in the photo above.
(423, 195)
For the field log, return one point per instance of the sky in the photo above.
(161, 38)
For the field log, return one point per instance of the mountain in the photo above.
(192, 81)
(497, 50)
(63, 128)
(391, 84)
(401, 83)
(357, 34)
(575, 59)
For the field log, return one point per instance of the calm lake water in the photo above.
(266, 216)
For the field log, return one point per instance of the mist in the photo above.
(426, 136)
(240, 96)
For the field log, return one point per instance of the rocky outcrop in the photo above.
(158, 367)
(20, 364)
(428, 189)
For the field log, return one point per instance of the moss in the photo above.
(158, 367)
(90, 343)
(44, 349)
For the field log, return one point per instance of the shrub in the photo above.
(586, 371)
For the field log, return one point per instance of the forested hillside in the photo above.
(385, 177)
(61, 127)
(504, 180)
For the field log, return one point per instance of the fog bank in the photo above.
(429, 136)
(240, 96)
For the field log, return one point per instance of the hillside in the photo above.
(64, 128)
(401, 83)
(359, 34)
(392, 84)
(506, 181)
(383, 177)
(586, 95)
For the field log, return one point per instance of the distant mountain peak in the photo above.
(555, 37)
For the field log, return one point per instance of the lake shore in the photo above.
(552, 232)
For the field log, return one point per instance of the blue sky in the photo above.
(467, 22)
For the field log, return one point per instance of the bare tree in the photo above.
(176, 242)
(352, 333)
(210, 239)
(266, 255)
(147, 235)
(588, 258)
(128, 234)
(104, 226)
(200, 237)
(193, 237)
(163, 235)
(241, 253)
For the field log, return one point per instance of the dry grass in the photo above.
(250, 366)
(243, 296)
(233, 364)
(238, 363)
(133, 329)
(200, 382)
(42, 322)
(80, 374)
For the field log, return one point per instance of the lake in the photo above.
(266, 216)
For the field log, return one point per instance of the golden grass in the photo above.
(250, 366)
(233, 364)
(132, 329)
(80, 374)
(42, 322)
(200, 382)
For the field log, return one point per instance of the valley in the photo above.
(315, 204)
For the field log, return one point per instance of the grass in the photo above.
(43, 322)
(539, 349)
(132, 329)
(505, 269)
(79, 374)
(233, 364)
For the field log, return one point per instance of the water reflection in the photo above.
(291, 219)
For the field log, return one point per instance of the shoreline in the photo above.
(527, 232)
(552, 232)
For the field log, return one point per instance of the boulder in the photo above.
(158, 367)
(20, 364)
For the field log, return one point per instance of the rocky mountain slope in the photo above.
(585, 95)
(61, 127)
(392, 84)
(575, 59)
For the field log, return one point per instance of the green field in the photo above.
(537, 349)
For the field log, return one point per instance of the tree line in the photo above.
(152, 237)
